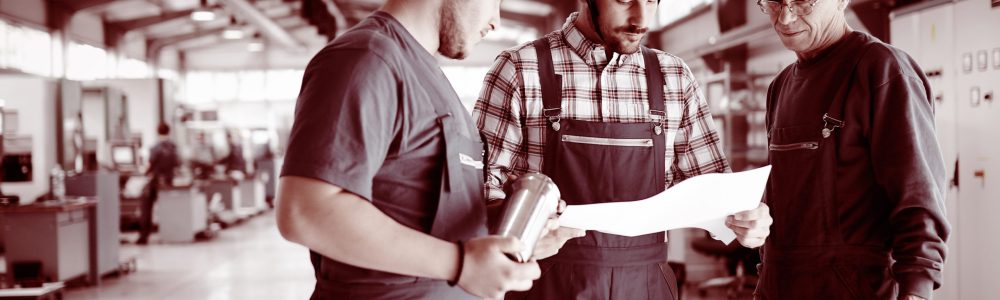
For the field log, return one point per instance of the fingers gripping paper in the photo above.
(699, 202)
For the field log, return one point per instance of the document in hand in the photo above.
(699, 202)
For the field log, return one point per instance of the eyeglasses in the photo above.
(798, 8)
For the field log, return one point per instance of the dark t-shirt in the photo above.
(890, 174)
(163, 161)
(364, 121)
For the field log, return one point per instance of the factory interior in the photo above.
(86, 84)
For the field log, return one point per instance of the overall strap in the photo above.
(654, 86)
(551, 85)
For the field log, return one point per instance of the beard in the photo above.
(452, 42)
(616, 40)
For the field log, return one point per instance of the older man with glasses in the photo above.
(858, 182)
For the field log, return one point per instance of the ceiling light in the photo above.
(255, 46)
(202, 15)
(232, 34)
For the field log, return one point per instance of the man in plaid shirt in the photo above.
(577, 100)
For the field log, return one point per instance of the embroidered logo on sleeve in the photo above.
(468, 161)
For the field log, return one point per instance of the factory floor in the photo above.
(249, 261)
(245, 261)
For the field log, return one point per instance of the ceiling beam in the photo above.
(154, 46)
(59, 12)
(140, 23)
(267, 27)
(78, 5)
(227, 42)
(116, 30)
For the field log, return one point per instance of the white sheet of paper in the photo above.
(702, 201)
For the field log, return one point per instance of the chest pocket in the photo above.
(794, 138)
(795, 147)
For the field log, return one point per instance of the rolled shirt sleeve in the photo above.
(498, 117)
(698, 147)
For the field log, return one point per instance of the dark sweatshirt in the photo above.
(890, 184)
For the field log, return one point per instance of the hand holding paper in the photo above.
(699, 202)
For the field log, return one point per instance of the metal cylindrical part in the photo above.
(534, 198)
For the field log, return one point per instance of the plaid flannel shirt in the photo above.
(509, 109)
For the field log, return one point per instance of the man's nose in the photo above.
(639, 14)
(785, 15)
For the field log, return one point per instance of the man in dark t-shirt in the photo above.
(857, 185)
(382, 178)
(163, 163)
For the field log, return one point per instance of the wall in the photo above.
(34, 99)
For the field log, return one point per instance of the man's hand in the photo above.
(488, 273)
(554, 236)
(751, 227)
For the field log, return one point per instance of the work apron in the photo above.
(806, 255)
(596, 162)
(460, 215)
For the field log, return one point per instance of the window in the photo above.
(198, 87)
(86, 62)
(283, 84)
(133, 68)
(25, 49)
(254, 85)
(225, 86)
(251, 86)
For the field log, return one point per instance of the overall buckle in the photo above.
(658, 116)
(830, 124)
(552, 114)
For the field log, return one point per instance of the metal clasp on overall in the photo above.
(830, 124)
(658, 117)
(552, 114)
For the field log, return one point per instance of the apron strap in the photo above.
(657, 112)
(551, 85)
(654, 85)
